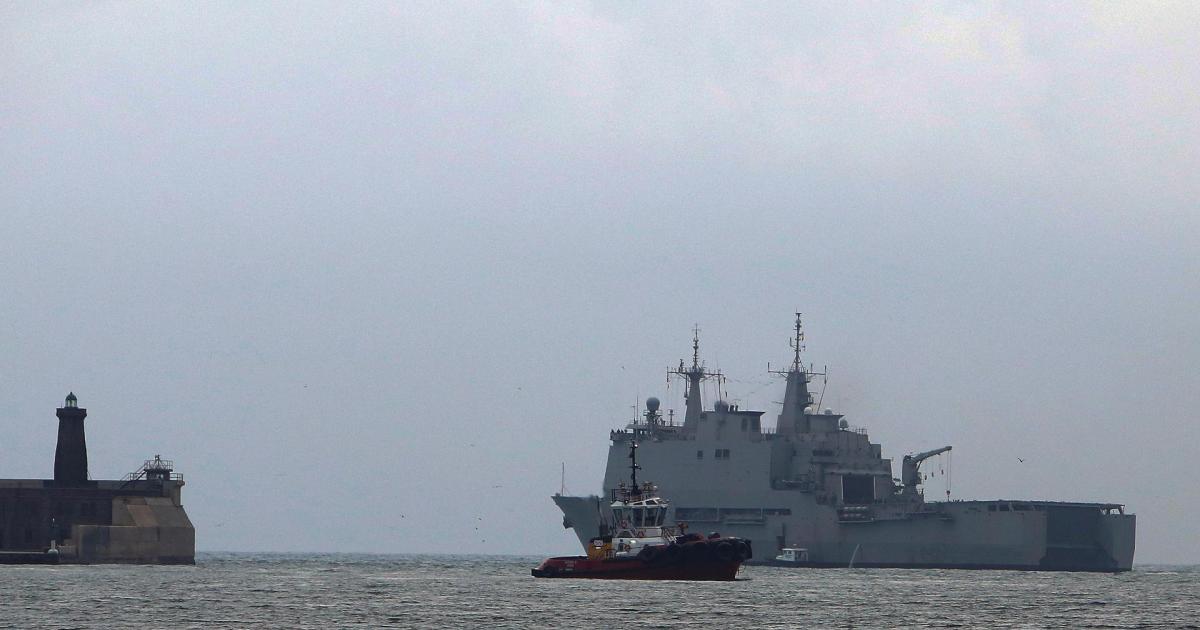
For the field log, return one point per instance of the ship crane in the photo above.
(911, 468)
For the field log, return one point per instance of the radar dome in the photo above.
(721, 406)
(808, 410)
(652, 404)
(844, 424)
(828, 411)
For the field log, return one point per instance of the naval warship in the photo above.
(821, 494)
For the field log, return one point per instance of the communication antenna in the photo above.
(694, 375)
(695, 346)
(797, 344)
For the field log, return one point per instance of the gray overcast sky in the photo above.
(370, 273)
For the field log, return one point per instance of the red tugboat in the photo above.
(639, 547)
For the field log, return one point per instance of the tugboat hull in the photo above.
(634, 569)
(714, 560)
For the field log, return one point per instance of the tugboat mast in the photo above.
(633, 468)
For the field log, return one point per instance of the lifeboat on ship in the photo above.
(638, 546)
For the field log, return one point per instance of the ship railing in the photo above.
(141, 475)
(157, 468)
(744, 516)
(855, 514)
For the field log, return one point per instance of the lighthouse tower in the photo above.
(70, 458)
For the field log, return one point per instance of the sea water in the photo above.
(366, 591)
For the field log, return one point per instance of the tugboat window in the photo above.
(699, 454)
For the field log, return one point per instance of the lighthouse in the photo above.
(70, 458)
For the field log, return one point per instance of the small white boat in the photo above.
(794, 555)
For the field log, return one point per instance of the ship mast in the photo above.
(694, 375)
(797, 397)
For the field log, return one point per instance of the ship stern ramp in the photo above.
(1117, 536)
(1088, 537)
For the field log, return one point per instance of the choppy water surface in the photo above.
(348, 591)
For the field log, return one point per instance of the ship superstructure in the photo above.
(816, 485)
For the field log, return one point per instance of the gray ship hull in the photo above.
(1001, 534)
(582, 514)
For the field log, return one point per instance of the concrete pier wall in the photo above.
(145, 530)
(141, 522)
